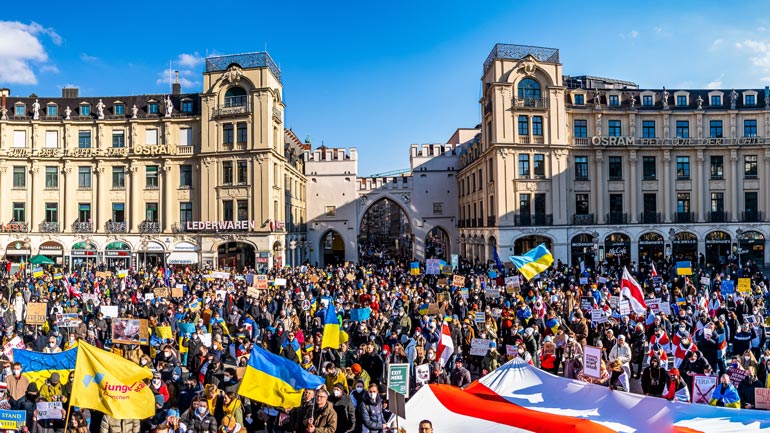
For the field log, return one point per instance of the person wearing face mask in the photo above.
(357, 394)
(52, 347)
(654, 378)
(725, 394)
(369, 416)
(159, 387)
(675, 388)
(746, 388)
(460, 376)
(197, 419)
(345, 409)
(229, 381)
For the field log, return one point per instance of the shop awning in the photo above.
(182, 258)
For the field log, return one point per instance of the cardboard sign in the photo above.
(597, 316)
(458, 281)
(665, 307)
(105, 274)
(279, 282)
(702, 387)
(109, 311)
(479, 346)
(441, 282)
(442, 297)
(744, 285)
(586, 303)
(15, 343)
(130, 331)
(422, 374)
(432, 309)
(314, 279)
(162, 292)
(177, 292)
(762, 398)
(37, 313)
(736, 376)
(512, 282)
(50, 410)
(480, 318)
(653, 304)
(592, 362)
(260, 282)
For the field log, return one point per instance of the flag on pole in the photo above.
(72, 292)
(631, 289)
(275, 380)
(653, 272)
(684, 268)
(331, 336)
(533, 261)
(445, 345)
(498, 262)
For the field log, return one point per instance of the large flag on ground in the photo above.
(111, 384)
(38, 367)
(331, 336)
(533, 261)
(631, 289)
(275, 380)
(445, 345)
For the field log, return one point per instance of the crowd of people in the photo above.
(202, 327)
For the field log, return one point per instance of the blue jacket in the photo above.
(728, 396)
(369, 417)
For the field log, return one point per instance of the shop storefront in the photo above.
(151, 253)
(718, 244)
(752, 247)
(17, 252)
(84, 254)
(117, 255)
(54, 251)
(651, 247)
(183, 254)
(583, 250)
(684, 247)
(235, 255)
(617, 249)
(263, 262)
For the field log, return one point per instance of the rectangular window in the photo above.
(19, 138)
(151, 177)
(242, 133)
(613, 129)
(537, 125)
(650, 205)
(52, 177)
(151, 136)
(581, 204)
(84, 139)
(151, 212)
(118, 177)
(227, 210)
(52, 111)
(579, 99)
(331, 211)
(614, 101)
(20, 111)
(118, 138)
(19, 176)
(52, 212)
(581, 128)
(84, 177)
(750, 166)
(683, 202)
(649, 168)
(243, 210)
(750, 100)
(717, 201)
(185, 176)
(85, 110)
(185, 137)
(750, 128)
(682, 129)
(227, 133)
(717, 166)
(243, 171)
(750, 206)
(615, 167)
(19, 213)
(523, 125)
(227, 172)
(524, 207)
(185, 212)
(539, 206)
(84, 212)
(52, 139)
(118, 212)
(538, 165)
(616, 203)
(648, 129)
(715, 129)
(581, 167)
(152, 108)
(647, 101)
(681, 101)
(523, 166)
(187, 107)
(683, 167)
(716, 100)
(438, 208)
(119, 109)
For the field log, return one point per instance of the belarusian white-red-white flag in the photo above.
(445, 345)
(653, 272)
(633, 291)
(73, 292)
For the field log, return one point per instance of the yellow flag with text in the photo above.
(111, 384)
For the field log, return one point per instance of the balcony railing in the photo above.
(533, 103)
(650, 218)
(582, 141)
(684, 217)
(526, 220)
(149, 227)
(116, 227)
(617, 218)
(491, 221)
(232, 110)
(83, 227)
(14, 227)
(751, 216)
(583, 219)
(49, 227)
(718, 216)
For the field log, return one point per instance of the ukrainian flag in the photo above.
(684, 268)
(414, 268)
(331, 337)
(57, 276)
(424, 309)
(38, 367)
(533, 261)
(275, 380)
(37, 272)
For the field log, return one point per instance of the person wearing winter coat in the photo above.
(112, 425)
(345, 409)
(676, 388)
(369, 416)
(621, 351)
(654, 378)
(198, 419)
(322, 419)
(618, 377)
(746, 388)
(725, 394)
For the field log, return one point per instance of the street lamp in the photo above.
(738, 249)
(595, 240)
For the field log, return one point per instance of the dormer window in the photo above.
(119, 109)
(187, 106)
(681, 100)
(52, 110)
(20, 110)
(614, 101)
(750, 98)
(152, 107)
(579, 99)
(716, 101)
(647, 101)
(85, 110)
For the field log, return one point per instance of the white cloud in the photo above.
(88, 58)
(190, 60)
(716, 84)
(630, 35)
(49, 68)
(187, 65)
(761, 52)
(761, 29)
(21, 48)
(716, 44)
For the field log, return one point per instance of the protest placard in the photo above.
(702, 387)
(653, 304)
(260, 282)
(36, 313)
(432, 267)
(178, 291)
(614, 301)
(602, 280)
(592, 357)
(586, 303)
(314, 279)
(432, 309)
(583, 281)
(109, 311)
(736, 376)
(480, 318)
(49, 410)
(598, 316)
(511, 350)
(458, 281)
(727, 287)
(744, 285)
(624, 308)
(762, 398)
(67, 320)
(422, 374)
(665, 307)
(162, 292)
(130, 331)
(220, 275)
(491, 292)
(442, 297)
(706, 281)
(479, 346)
(15, 343)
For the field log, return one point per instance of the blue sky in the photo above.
(379, 76)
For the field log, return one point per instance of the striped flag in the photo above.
(445, 345)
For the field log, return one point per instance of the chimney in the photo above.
(4, 93)
(176, 88)
(69, 92)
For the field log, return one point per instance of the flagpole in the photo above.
(67, 419)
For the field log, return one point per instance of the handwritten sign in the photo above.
(177, 292)
(260, 282)
(50, 410)
(161, 292)
(665, 307)
(597, 316)
(744, 285)
(36, 313)
(458, 281)
(109, 311)
(702, 387)
(479, 346)
(706, 281)
(624, 307)
(15, 343)
(592, 357)
(736, 376)
(762, 398)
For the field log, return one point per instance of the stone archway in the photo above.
(385, 233)
(437, 244)
(332, 248)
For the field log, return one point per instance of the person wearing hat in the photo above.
(52, 390)
(621, 351)
(360, 374)
(345, 409)
(675, 388)
(229, 425)
(654, 378)
(460, 376)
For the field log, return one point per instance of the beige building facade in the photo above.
(206, 179)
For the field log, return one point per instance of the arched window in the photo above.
(235, 97)
(529, 90)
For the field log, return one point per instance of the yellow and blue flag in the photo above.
(414, 268)
(37, 272)
(111, 384)
(533, 261)
(275, 380)
(424, 308)
(331, 336)
(684, 268)
(38, 367)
